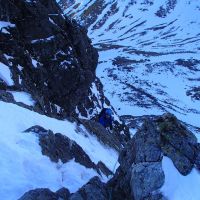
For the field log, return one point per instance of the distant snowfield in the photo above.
(22, 165)
(174, 84)
(131, 30)
(178, 187)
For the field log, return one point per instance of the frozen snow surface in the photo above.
(22, 165)
(5, 74)
(23, 97)
(178, 187)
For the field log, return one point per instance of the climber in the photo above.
(106, 118)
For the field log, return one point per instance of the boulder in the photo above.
(146, 179)
(177, 142)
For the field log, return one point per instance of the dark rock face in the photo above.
(93, 190)
(59, 147)
(49, 56)
(146, 178)
(46, 194)
(197, 160)
(63, 193)
(146, 144)
(104, 169)
(6, 96)
(56, 146)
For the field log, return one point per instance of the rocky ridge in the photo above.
(140, 175)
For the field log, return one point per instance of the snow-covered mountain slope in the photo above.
(22, 165)
(149, 53)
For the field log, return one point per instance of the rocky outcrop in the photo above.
(140, 166)
(49, 56)
(59, 147)
(93, 190)
(140, 174)
(177, 143)
(46, 194)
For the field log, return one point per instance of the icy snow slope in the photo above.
(22, 165)
(149, 53)
(178, 187)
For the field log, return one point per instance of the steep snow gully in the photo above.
(140, 59)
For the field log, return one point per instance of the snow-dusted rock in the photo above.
(93, 190)
(59, 147)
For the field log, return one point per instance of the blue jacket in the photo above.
(106, 122)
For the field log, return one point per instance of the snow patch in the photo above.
(23, 97)
(5, 74)
(4, 24)
(177, 186)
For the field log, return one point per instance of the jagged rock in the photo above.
(144, 147)
(93, 190)
(177, 143)
(63, 193)
(50, 56)
(46, 194)
(40, 194)
(119, 185)
(37, 129)
(3, 84)
(104, 169)
(157, 196)
(6, 96)
(59, 147)
(147, 141)
(146, 179)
